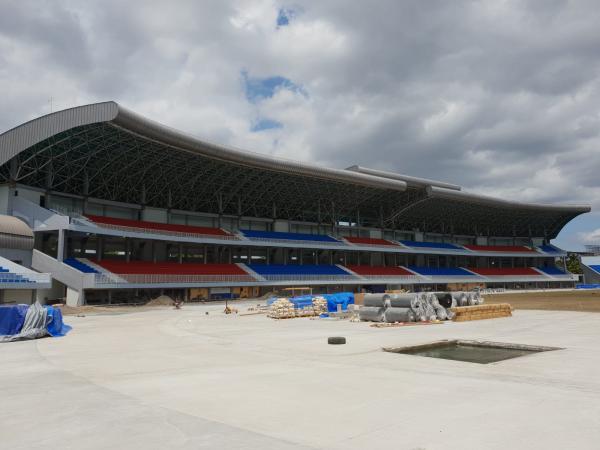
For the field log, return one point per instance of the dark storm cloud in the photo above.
(500, 97)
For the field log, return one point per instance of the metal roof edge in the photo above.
(437, 192)
(150, 129)
(415, 181)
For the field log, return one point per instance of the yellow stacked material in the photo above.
(319, 305)
(282, 308)
(479, 312)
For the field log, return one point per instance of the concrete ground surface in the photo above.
(167, 379)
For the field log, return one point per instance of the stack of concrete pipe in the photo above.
(414, 307)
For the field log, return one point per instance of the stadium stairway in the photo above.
(15, 276)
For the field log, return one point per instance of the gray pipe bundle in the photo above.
(404, 300)
(428, 306)
(444, 299)
(399, 315)
(378, 300)
(472, 299)
(418, 310)
(460, 298)
(441, 313)
(371, 313)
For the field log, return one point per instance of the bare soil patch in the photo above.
(577, 300)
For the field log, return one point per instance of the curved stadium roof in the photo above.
(106, 151)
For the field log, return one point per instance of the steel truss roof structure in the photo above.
(106, 151)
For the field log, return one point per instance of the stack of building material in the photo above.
(478, 312)
(319, 305)
(282, 308)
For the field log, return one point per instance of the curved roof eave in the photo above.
(437, 192)
(414, 181)
(30, 133)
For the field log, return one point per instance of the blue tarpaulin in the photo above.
(12, 318)
(56, 327)
(341, 298)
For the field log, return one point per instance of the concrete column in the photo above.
(60, 251)
(180, 253)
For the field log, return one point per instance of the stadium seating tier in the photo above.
(441, 271)
(280, 269)
(168, 227)
(509, 271)
(169, 268)
(442, 245)
(278, 235)
(500, 248)
(552, 270)
(380, 271)
(369, 241)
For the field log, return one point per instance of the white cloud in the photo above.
(499, 97)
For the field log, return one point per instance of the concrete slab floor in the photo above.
(182, 379)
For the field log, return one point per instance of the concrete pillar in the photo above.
(180, 253)
(60, 251)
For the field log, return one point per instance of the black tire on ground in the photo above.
(336, 340)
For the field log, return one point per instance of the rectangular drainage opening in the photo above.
(480, 352)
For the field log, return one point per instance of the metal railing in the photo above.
(308, 277)
(390, 277)
(167, 232)
(105, 279)
(112, 279)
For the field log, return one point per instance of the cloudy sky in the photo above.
(500, 97)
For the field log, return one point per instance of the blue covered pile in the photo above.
(302, 301)
(48, 320)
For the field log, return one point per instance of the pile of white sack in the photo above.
(415, 307)
(282, 308)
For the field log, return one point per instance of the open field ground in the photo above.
(576, 300)
(164, 378)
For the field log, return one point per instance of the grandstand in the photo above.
(123, 207)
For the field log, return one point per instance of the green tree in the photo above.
(573, 263)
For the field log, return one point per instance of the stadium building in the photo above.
(122, 208)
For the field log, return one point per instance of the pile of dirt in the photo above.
(81, 310)
(163, 300)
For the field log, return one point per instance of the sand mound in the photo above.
(163, 300)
